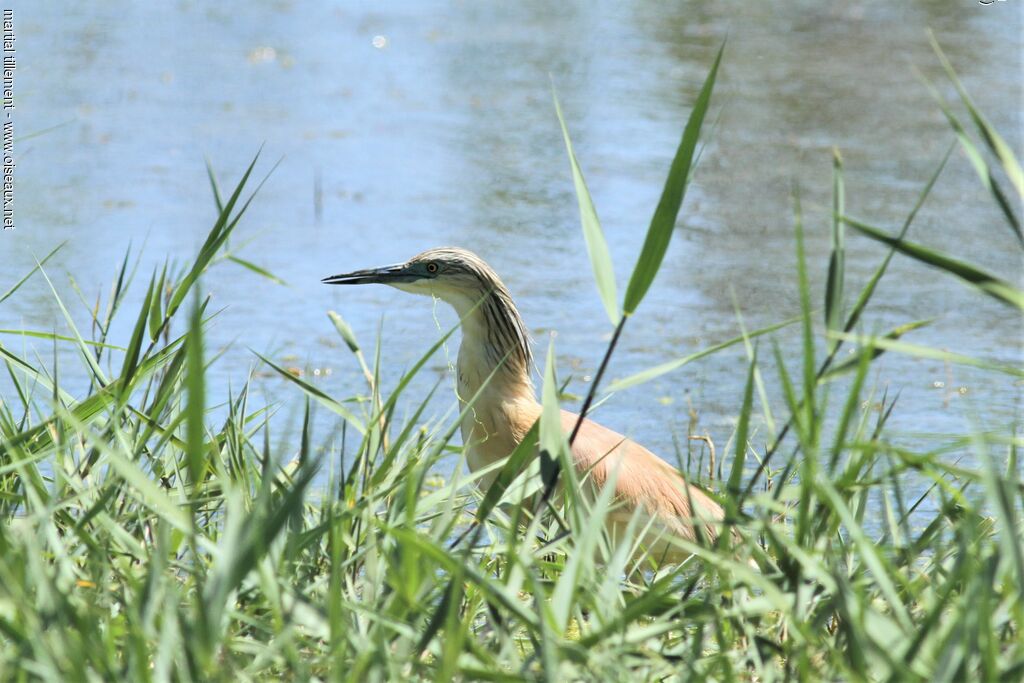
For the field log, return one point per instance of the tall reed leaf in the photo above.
(995, 142)
(550, 431)
(980, 165)
(343, 328)
(597, 248)
(196, 406)
(263, 272)
(991, 285)
(659, 234)
(214, 186)
(60, 337)
(743, 431)
(131, 358)
(39, 264)
(803, 283)
(854, 361)
(917, 350)
(669, 366)
(331, 403)
(836, 263)
(155, 309)
(214, 241)
(869, 289)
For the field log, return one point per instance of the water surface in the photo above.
(425, 124)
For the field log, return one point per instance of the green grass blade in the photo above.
(156, 305)
(262, 272)
(869, 289)
(587, 539)
(999, 493)
(60, 337)
(39, 264)
(852, 405)
(834, 315)
(453, 563)
(195, 422)
(551, 437)
(854, 361)
(669, 366)
(597, 247)
(331, 403)
(996, 144)
(343, 328)
(921, 351)
(256, 534)
(214, 187)
(980, 165)
(659, 234)
(991, 285)
(90, 360)
(214, 241)
(143, 487)
(870, 555)
(810, 373)
(742, 431)
(131, 358)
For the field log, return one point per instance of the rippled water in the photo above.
(425, 124)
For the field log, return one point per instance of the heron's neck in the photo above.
(495, 350)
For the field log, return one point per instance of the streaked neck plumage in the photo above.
(494, 373)
(495, 342)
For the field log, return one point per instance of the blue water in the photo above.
(406, 125)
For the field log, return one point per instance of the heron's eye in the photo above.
(431, 267)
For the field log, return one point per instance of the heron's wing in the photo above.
(642, 480)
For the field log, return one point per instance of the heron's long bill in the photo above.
(383, 275)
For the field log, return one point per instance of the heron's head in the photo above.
(454, 275)
(464, 280)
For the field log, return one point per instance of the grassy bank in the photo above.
(144, 539)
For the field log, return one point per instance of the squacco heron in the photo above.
(495, 340)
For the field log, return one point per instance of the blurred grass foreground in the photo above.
(147, 535)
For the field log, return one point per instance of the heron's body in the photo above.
(494, 365)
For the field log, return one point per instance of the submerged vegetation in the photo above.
(144, 539)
